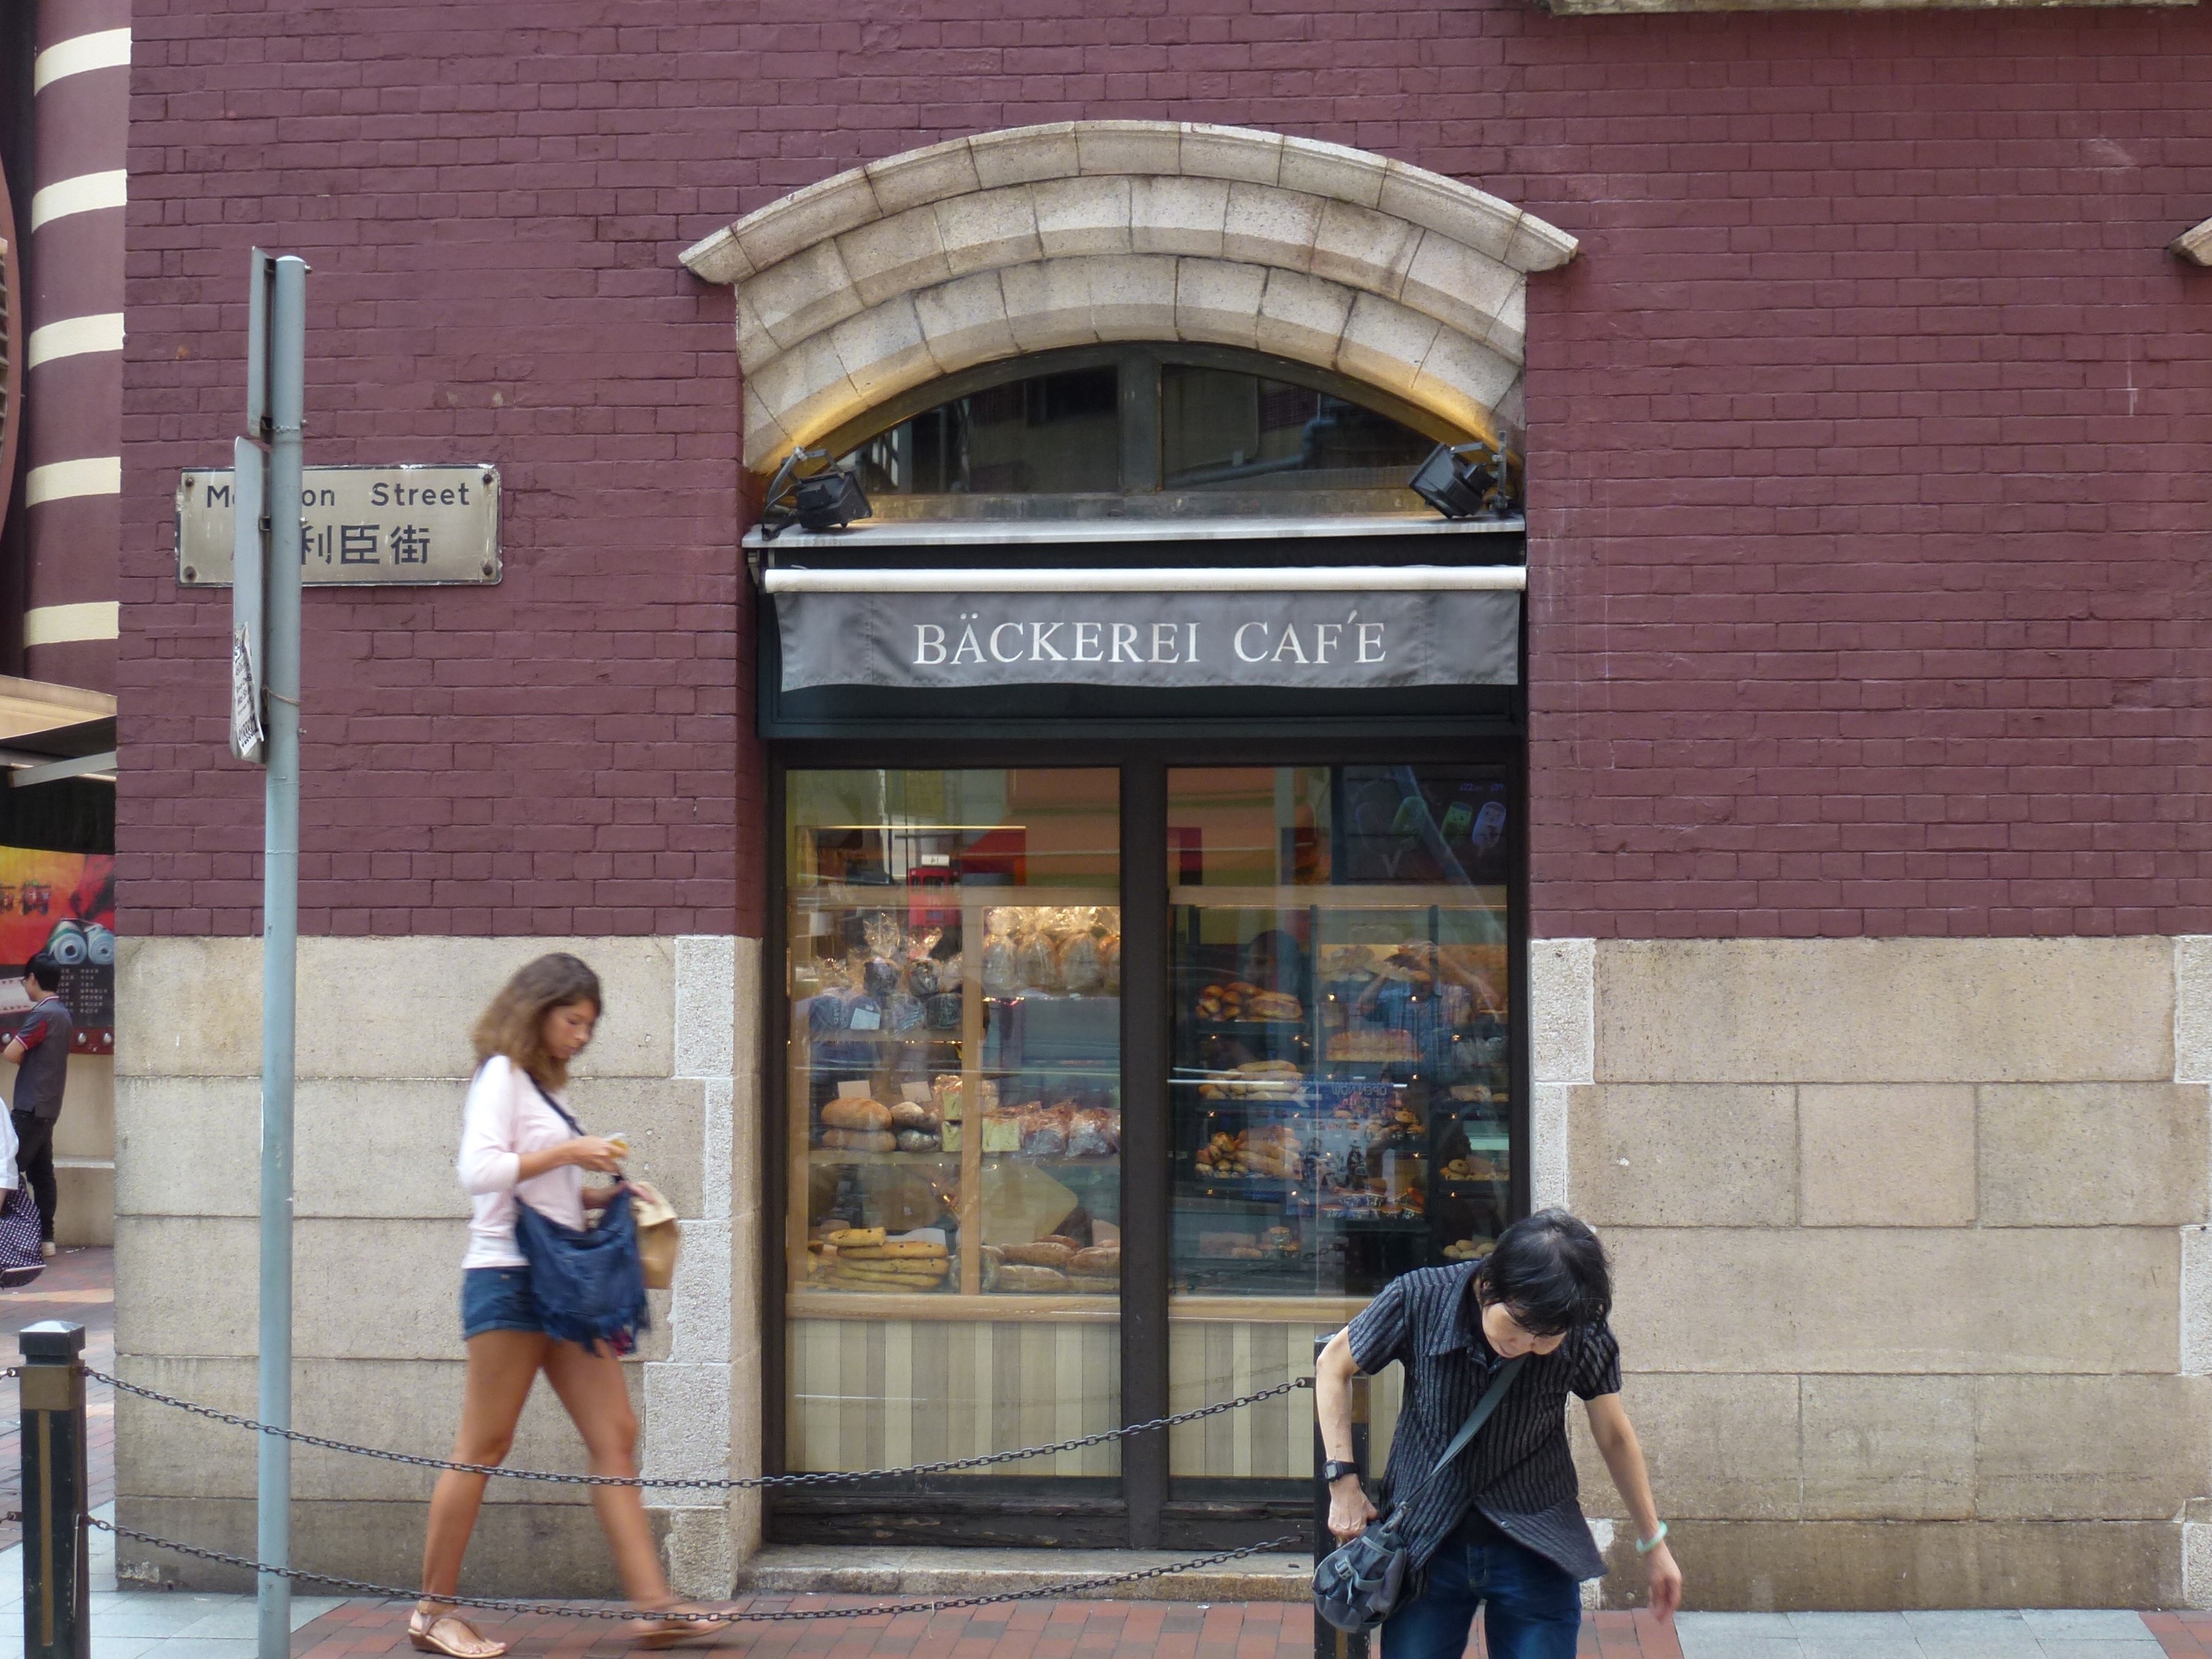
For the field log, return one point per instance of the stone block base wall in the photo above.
(381, 1222)
(1913, 1289)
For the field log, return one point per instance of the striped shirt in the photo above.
(1518, 1473)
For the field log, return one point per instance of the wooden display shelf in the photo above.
(844, 896)
(943, 1306)
(948, 1306)
(1340, 898)
(1268, 1309)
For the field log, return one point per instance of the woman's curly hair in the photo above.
(514, 1023)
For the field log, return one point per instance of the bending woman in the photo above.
(517, 1143)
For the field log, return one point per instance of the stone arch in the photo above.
(908, 270)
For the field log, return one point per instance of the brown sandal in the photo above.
(667, 1633)
(424, 1627)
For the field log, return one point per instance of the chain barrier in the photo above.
(388, 1592)
(737, 1483)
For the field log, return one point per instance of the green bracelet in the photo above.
(1645, 1546)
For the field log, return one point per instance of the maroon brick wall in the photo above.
(1869, 438)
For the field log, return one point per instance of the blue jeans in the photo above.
(497, 1299)
(1531, 1609)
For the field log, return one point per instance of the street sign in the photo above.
(365, 526)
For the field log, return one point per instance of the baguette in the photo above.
(1100, 1261)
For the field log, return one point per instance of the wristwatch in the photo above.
(1334, 1471)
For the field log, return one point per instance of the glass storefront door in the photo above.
(953, 1115)
(1319, 1018)
(1339, 1098)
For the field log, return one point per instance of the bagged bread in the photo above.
(1044, 1131)
(1094, 1132)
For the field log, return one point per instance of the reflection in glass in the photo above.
(1046, 435)
(1340, 1093)
(953, 1096)
(1226, 430)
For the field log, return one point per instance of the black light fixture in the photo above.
(1468, 481)
(828, 499)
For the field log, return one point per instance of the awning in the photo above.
(1320, 627)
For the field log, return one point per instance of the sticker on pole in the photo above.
(246, 737)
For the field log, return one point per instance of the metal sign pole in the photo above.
(280, 680)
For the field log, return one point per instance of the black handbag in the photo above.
(1357, 1585)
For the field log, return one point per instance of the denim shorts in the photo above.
(497, 1299)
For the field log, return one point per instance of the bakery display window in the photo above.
(1341, 1092)
(1341, 1101)
(953, 1108)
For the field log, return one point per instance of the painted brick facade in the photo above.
(1868, 436)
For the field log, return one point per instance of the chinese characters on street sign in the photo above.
(406, 524)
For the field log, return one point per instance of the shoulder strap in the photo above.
(1475, 1418)
(575, 1127)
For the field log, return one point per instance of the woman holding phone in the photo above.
(519, 1144)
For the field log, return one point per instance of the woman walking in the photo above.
(519, 1144)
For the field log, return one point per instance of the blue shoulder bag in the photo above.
(589, 1283)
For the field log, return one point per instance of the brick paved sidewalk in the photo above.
(1033, 1629)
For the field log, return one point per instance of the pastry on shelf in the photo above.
(1372, 1046)
(1258, 1080)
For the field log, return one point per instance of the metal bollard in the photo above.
(1330, 1643)
(57, 1568)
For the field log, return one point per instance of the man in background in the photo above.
(40, 1051)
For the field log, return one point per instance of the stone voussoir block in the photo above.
(805, 217)
(964, 322)
(1233, 152)
(1459, 377)
(1217, 301)
(919, 177)
(1363, 249)
(802, 295)
(892, 255)
(1178, 215)
(987, 230)
(1018, 156)
(1076, 217)
(1048, 304)
(884, 350)
(1129, 147)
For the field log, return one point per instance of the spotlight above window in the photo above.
(1469, 481)
(824, 501)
